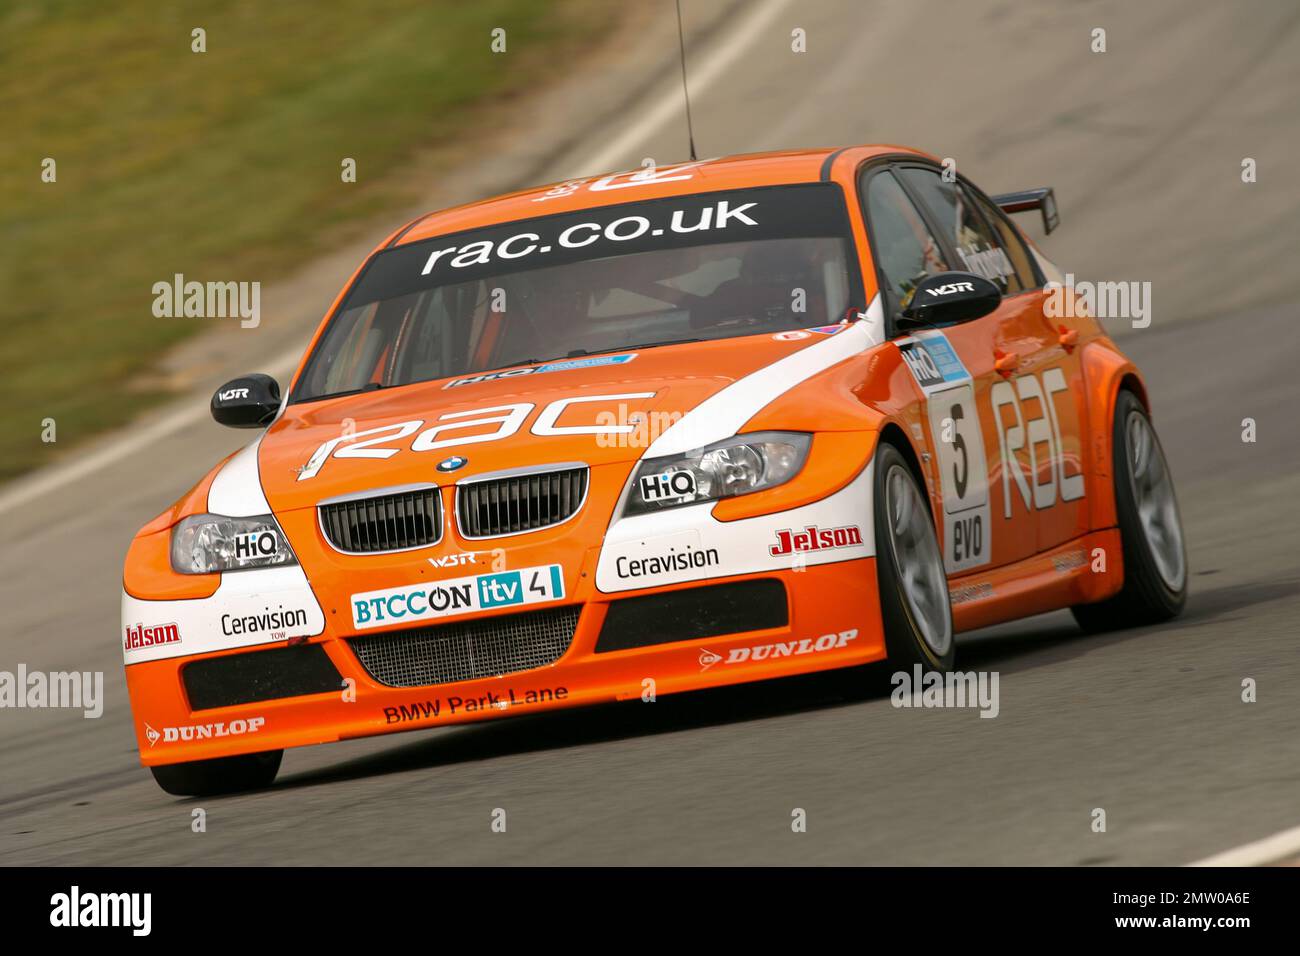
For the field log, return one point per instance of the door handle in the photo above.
(1006, 362)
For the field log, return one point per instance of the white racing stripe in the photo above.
(1268, 850)
(724, 413)
(237, 489)
(645, 124)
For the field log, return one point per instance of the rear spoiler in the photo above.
(1028, 200)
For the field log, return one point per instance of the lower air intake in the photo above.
(467, 650)
(253, 676)
(694, 614)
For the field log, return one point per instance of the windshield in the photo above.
(618, 278)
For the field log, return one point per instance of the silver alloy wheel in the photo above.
(916, 556)
(1153, 493)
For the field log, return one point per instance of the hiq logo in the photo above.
(256, 544)
(668, 486)
(932, 361)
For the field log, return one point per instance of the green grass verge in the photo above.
(222, 165)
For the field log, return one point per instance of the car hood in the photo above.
(381, 434)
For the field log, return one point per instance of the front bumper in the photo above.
(820, 634)
(637, 633)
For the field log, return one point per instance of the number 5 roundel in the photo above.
(959, 443)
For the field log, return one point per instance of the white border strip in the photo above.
(726, 411)
(1271, 849)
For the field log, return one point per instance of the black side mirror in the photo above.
(951, 297)
(249, 401)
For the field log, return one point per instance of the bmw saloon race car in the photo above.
(645, 433)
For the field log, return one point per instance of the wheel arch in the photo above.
(1106, 372)
(1132, 382)
(893, 433)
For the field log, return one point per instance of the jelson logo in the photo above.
(138, 636)
(812, 538)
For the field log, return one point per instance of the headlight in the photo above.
(202, 544)
(734, 466)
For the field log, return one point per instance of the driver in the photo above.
(765, 292)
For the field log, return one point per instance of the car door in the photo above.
(953, 368)
(1047, 387)
(1033, 413)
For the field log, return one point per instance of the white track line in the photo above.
(1268, 850)
(130, 440)
(668, 107)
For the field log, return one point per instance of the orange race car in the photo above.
(644, 433)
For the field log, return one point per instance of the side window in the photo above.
(1011, 242)
(904, 248)
(979, 248)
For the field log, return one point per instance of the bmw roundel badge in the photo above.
(453, 463)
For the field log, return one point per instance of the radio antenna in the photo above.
(686, 93)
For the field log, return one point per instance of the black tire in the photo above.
(205, 778)
(1146, 597)
(904, 641)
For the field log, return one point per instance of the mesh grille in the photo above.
(408, 519)
(467, 650)
(520, 502)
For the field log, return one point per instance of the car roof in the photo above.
(709, 175)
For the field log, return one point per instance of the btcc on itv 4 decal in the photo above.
(699, 432)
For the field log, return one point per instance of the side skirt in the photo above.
(1086, 569)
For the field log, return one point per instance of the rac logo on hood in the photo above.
(505, 420)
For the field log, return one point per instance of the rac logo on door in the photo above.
(1038, 437)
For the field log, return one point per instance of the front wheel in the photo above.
(914, 604)
(915, 609)
(1155, 557)
(205, 778)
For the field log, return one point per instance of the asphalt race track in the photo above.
(1144, 145)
